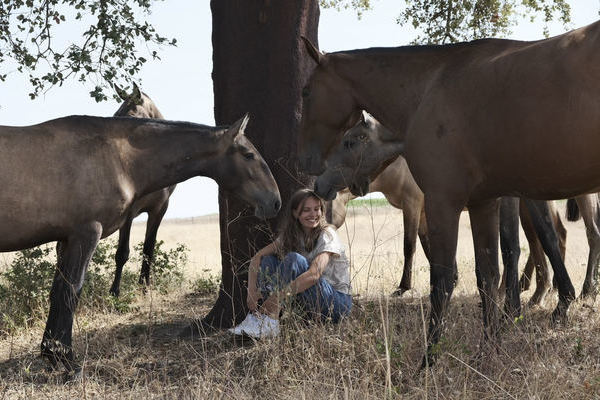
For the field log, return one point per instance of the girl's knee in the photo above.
(293, 257)
(295, 263)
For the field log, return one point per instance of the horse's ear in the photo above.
(313, 51)
(136, 95)
(237, 128)
(122, 94)
(364, 117)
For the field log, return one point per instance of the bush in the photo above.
(206, 285)
(166, 271)
(24, 288)
(25, 285)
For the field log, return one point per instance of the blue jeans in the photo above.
(321, 299)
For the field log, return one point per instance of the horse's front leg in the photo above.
(542, 221)
(509, 242)
(484, 226)
(74, 256)
(442, 219)
(589, 209)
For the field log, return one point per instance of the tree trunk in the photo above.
(259, 66)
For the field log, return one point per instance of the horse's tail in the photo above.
(573, 213)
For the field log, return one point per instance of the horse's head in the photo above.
(244, 172)
(328, 110)
(137, 104)
(363, 153)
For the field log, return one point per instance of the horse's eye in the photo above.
(363, 138)
(249, 156)
(305, 92)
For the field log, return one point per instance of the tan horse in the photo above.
(91, 171)
(400, 189)
(472, 117)
(588, 206)
(139, 105)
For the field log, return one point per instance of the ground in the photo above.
(373, 354)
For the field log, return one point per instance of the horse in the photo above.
(471, 117)
(401, 191)
(399, 188)
(588, 206)
(139, 105)
(82, 186)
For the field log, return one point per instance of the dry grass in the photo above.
(374, 354)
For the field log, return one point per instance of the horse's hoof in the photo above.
(399, 291)
(114, 292)
(559, 316)
(538, 297)
(73, 376)
(427, 362)
(588, 292)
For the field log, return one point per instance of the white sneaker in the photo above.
(266, 327)
(249, 322)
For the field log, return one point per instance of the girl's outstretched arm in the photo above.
(253, 292)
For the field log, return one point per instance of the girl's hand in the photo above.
(252, 299)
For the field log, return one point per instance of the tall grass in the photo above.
(374, 354)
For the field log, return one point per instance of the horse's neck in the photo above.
(163, 153)
(392, 94)
(153, 111)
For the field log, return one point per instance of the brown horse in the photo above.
(354, 154)
(139, 105)
(471, 117)
(91, 171)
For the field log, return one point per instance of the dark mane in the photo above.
(94, 120)
(374, 51)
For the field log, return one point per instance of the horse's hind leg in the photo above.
(410, 213)
(154, 219)
(588, 206)
(509, 242)
(542, 221)
(121, 256)
(536, 259)
(74, 256)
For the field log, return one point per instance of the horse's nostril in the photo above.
(276, 205)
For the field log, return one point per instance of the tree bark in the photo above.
(259, 66)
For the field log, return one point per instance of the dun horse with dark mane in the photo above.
(139, 105)
(74, 180)
(478, 121)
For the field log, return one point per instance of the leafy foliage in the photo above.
(105, 52)
(450, 21)
(358, 5)
(25, 284)
(167, 265)
(207, 284)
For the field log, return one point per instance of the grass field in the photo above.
(372, 355)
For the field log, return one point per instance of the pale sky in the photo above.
(181, 86)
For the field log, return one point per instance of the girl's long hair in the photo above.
(292, 237)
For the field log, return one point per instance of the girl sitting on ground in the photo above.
(314, 271)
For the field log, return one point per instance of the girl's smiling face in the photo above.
(309, 214)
